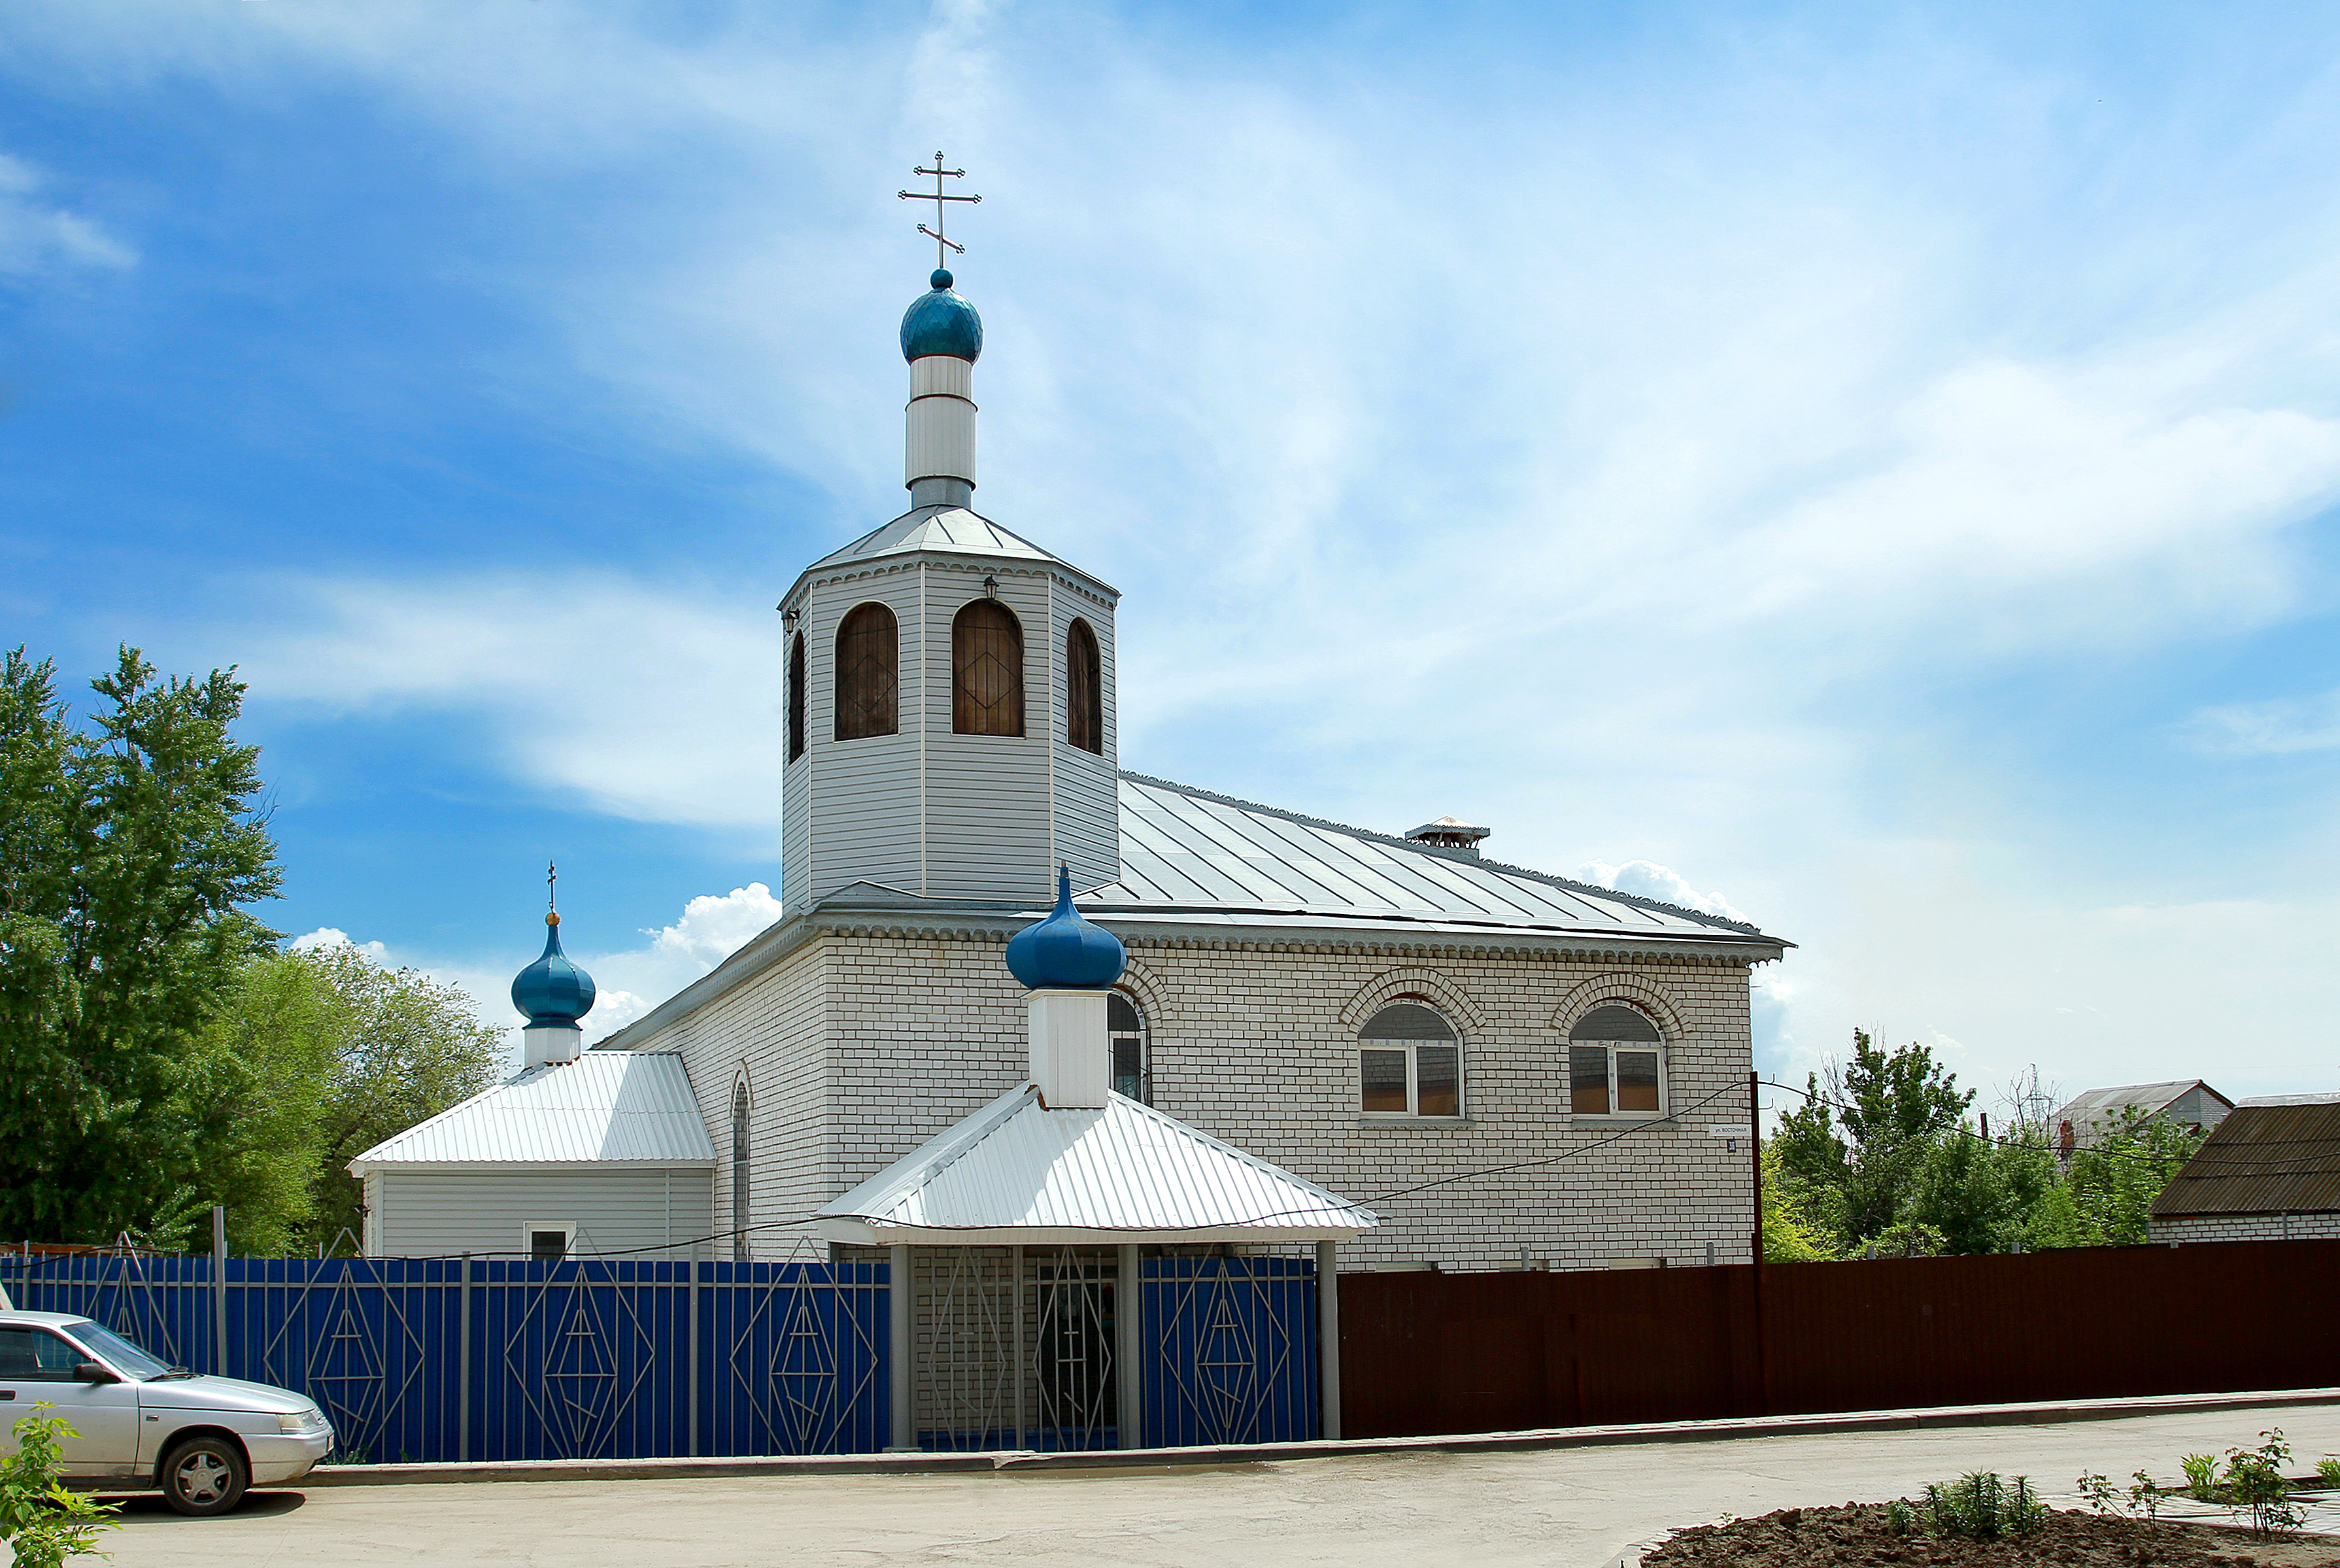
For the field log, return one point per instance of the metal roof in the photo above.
(947, 528)
(2262, 1159)
(1017, 1173)
(1188, 851)
(621, 1107)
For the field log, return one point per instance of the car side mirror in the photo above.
(91, 1372)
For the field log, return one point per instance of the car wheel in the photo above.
(205, 1476)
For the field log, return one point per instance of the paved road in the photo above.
(1565, 1508)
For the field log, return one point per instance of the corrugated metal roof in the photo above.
(1015, 1171)
(616, 1106)
(2262, 1159)
(1186, 850)
(934, 528)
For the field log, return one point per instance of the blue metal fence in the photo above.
(429, 1360)
(434, 1360)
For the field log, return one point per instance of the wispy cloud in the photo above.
(38, 238)
(2272, 727)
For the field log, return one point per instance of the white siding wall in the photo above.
(436, 1214)
(1088, 787)
(987, 823)
(859, 820)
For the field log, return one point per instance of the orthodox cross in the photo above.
(938, 198)
(551, 873)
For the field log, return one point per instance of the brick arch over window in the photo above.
(1426, 984)
(1621, 986)
(868, 659)
(1147, 989)
(987, 669)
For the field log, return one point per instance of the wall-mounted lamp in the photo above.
(788, 619)
(991, 588)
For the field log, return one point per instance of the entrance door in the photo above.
(1073, 1348)
(37, 1365)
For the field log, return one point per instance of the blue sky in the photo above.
(1867, 467)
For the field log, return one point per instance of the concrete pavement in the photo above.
(1551, 1508)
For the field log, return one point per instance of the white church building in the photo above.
(1434, 1059)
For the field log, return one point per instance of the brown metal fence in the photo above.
(1430, 1353)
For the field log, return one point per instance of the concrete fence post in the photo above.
(901, 1307)
(219, 1289)
(1328, 1337)
(1129, 1354)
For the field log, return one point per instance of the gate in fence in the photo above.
(435, 1360)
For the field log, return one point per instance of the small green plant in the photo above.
(2102, 1494)
(2255, 1484)
(2144, 1497)
(39, 1518)
(1900, 1518)
(2201, 1476)
(2327, 1471)
(1981, 1507)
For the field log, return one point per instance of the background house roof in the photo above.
(2262, 1159)
(610, 1105)
(2100, 1108)
(1017, 1172)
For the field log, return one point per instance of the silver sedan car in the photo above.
(143, 1423)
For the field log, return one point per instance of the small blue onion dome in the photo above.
(1065, 952)
(940, 322)
(553, 990)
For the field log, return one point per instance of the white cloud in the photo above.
(333, 936)
(645, 703)
(1648, 880)
(2274, 727)
(37, 238)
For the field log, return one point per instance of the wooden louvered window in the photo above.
(987, 669)
(868, 653)
(1616, 1063)
(1084, 689)
(796, 697)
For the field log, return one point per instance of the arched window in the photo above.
(1616, 1063)
(796, 697)
(868, 651)
(987, 669)
(1133, 1071)
(739, 1153)
(1084, 689)
(1409, 1064)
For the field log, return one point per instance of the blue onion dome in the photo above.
(553, 990)
(940, 322)
(1065, 952)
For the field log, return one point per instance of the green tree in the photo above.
(129, 844)
(2112, 1182)
(317, 1057)
(1978, 1196)
(1791, 1234)
(1851, 1154)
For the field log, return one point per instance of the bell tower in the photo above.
(950, 684)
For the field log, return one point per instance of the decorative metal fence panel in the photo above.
(432, 1360)
(1234, 1351)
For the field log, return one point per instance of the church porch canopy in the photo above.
(1017, 1173)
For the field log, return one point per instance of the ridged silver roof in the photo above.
(1017, 1166)
(605, 1105)
(1188, 850)
(934, 528)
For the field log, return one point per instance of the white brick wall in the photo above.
(2244, 1228)
(860, 1047)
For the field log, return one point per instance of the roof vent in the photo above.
(1449, 833)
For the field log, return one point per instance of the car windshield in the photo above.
(127, 1358)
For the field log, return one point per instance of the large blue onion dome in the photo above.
(553, 990)
(1065, 952)
(940, 322)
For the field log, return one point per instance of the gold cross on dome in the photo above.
(938, 197)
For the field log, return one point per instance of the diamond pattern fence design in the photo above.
(434, 1360)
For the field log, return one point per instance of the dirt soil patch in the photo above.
(1858, 1533)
